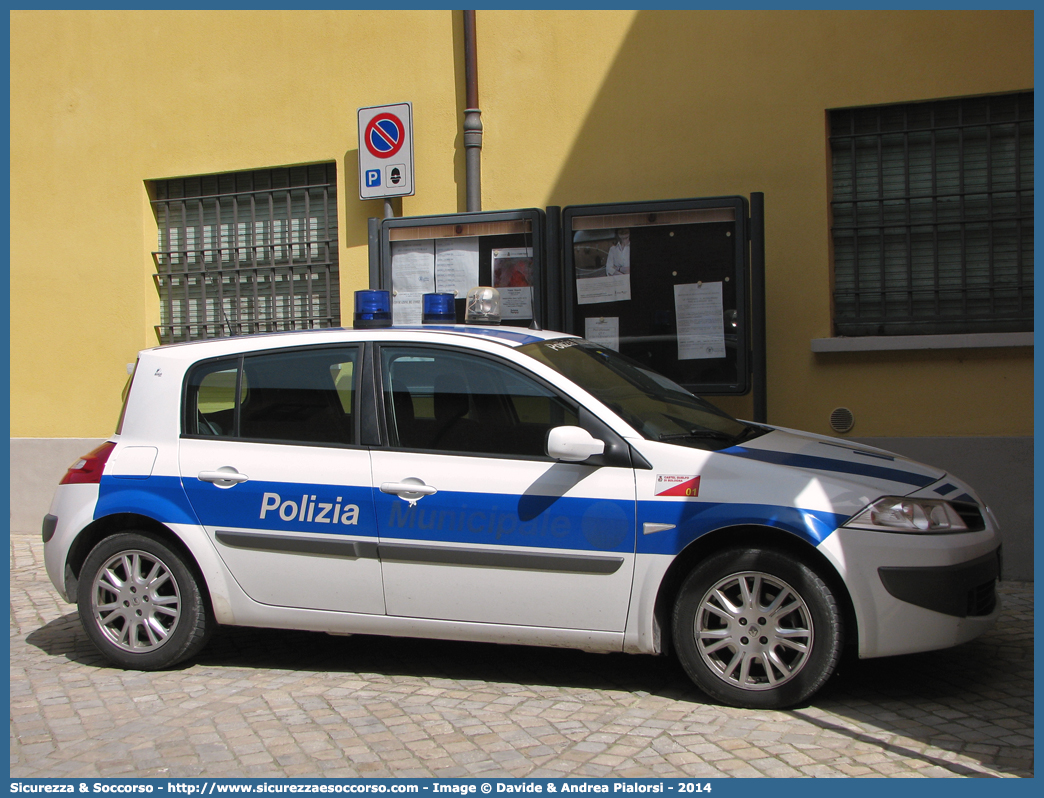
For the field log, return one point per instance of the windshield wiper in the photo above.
(749, 431)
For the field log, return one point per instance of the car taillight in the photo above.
(88, 469)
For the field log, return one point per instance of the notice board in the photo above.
(457, 252)
(664, 283)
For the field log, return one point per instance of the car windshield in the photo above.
(651, 403)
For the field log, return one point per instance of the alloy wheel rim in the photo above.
(754, 631)
(136, 601)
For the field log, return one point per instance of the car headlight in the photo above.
(902, 514)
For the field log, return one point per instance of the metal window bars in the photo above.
(932, 216)
(247, 252)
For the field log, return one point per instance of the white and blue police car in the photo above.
(510, 486)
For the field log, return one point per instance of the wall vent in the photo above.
(841, 419)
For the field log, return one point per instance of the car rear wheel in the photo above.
(140, 603)
(757, 628)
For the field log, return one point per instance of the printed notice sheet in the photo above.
(513, 278)
(603, 330)
(456, 265)
(408, 308)
(413, 266)
(701, 330)
(413, 275)
(606, 288)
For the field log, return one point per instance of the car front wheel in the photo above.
(757, 628)
(140, 603)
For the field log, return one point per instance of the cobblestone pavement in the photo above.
(275, 704)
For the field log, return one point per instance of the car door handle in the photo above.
(409, 489)
(399, 488)
(224, 477)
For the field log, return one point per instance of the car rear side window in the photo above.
(212, 399)
(300, 396)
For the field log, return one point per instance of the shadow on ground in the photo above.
(978, 694)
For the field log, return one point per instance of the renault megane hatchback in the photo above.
(510, 486)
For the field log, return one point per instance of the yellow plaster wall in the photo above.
(103, 101)
(735, 102)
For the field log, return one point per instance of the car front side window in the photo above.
(450, 401)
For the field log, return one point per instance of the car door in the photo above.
(270, 464)
(476, 523)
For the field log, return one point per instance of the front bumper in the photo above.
(965, 590)
(916, 593)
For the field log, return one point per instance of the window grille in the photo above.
(933, 217)
(247, 252)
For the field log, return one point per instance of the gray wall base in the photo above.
(37, 464)
(1000, 470)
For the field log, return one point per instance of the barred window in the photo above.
(247, 252)
(933, 217)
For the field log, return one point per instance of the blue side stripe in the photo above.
(581, 524)
(162, 498)
(286, 507)
(695, 518)
(829, 464)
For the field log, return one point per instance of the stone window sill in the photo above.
(891, 343)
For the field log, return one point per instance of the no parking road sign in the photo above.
(386, 151)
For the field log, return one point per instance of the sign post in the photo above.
(386, 151)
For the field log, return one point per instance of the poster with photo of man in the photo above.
(602, 261)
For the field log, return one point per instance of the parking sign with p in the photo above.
(386, 151)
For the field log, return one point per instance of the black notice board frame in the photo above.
(543, 276)
(700, 245)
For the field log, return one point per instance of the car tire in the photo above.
(757, 628)
(140, 603)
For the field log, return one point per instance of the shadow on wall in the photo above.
(685, 83)
(702, 103)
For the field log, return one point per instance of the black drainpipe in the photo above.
(472, 118)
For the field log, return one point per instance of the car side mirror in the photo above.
(573, 444)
